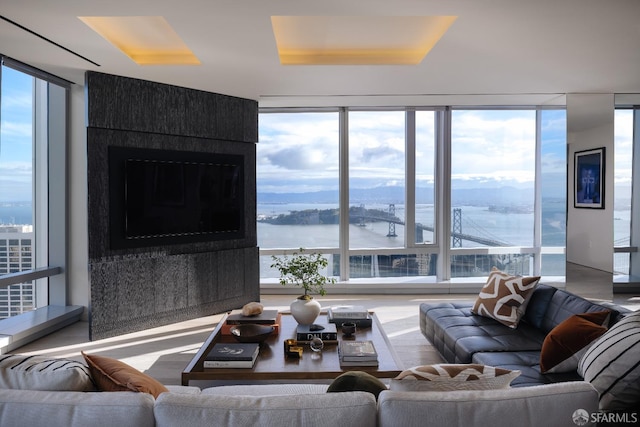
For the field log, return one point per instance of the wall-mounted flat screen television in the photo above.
(167, 197)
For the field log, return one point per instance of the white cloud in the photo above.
(16, 129)
(492, 147)
(15, 181)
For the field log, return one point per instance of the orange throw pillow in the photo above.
(113, 375)
(566, 343)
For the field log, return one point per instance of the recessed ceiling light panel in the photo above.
(147, 40)
(355, 40)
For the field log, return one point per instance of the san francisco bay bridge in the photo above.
(457, 235)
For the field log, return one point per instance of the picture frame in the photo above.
(589, 178)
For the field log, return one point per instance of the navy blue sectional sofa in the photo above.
(463, 337)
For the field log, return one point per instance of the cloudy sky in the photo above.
(299, 152)
(15, 137)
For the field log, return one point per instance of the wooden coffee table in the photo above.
(273, 365)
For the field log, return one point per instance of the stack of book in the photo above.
(349, 313)
(357, 353)
(232, 355)
(305, 333)
(267, 317)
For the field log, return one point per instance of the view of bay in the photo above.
(512, 227)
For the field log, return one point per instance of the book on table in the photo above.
(363, 322)
(348, 312)
(305, 333)
(267, 317)
(232, 355)
(359, 363)
(357, 351)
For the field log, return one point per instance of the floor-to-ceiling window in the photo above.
(298, 185)
(623, 180)
(505, 170)
(32, 188)
(493, 160)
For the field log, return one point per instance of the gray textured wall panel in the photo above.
(171, 283)
(142, 288)
(202, 279)
(116, 102)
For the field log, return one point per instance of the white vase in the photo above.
(305, 311)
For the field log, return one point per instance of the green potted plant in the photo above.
(304, 270)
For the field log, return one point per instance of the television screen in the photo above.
(161, 197)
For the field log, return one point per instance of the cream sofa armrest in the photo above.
(540, 406)
(35, 408)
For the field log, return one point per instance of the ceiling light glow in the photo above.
(147, 40)
(357, 40)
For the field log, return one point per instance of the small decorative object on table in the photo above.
(348, 329)
(252, 309)
(292, 349)
(304, 271)
(232, 355)
(269, 317)
(316, 345)
(250, 332)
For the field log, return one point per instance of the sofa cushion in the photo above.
(357, 381)
(113, 375)
(612, 365)
(448, 377)
(37, 408)
(538, 304)
(44, 373)
(528, 363)
(564, 304)
(567, 342)
(353, 409)
(457, 333)
(504, 297)
(531, 406)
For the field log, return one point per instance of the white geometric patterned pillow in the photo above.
(612, 365)
(43, 373)
(450, 377)
(505, 297)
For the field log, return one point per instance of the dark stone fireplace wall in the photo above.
(140, 288)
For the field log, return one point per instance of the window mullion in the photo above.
(443, 194)
(410, 180)
(344, 193)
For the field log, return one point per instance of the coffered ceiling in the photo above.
(503, 49)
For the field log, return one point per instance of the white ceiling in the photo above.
(515, 49)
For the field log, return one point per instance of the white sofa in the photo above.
(297, 405)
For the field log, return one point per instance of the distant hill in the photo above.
(382, 195)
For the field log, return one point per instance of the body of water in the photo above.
(511, 228)
(16, 213)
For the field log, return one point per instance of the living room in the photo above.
(589, 100)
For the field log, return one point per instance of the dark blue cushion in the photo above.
(538, 304)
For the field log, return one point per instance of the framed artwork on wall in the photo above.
(589, 175)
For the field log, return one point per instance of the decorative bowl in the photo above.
(250, 332)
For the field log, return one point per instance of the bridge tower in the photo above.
(456, 228)
(392, 225)
(362, 214)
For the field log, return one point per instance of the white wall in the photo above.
(78, 246)
(590, 124)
